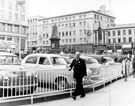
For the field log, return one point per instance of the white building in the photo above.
(121, 37)
(10, 33)
(33, 34)
(74, 30)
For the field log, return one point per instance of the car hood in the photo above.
(10, 67)
(93, 65)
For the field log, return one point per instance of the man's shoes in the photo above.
(74, 97)
(82, 96)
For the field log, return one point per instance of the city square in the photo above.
(38, 44)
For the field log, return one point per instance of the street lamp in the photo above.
(20, 3)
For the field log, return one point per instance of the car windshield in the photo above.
(6, 60)
(91, 61)
(58, 61)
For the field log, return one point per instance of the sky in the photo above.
(123, 10)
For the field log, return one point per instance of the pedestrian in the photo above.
(134, 67)
(79, 72)
(126, 68)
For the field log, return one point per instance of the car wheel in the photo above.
(62, 83)
(31, 90)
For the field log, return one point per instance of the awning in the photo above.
(126, 49)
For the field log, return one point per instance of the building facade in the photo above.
(13, 26)
(76, 31)
(121, 38)
(33, 35)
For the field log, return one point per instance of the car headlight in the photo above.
(5, 76)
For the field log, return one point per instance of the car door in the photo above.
(31, 63)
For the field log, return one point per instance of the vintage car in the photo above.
(13, 79)
(51, 68)
(93, 65)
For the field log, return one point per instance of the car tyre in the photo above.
(31, 90)
(62, 83)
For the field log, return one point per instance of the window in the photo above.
(17, 7)
(17, 28)
(3, 27)
(32, 60)
(109, 41)
(16, 17)
(119, 40)
(9, 38)
(80, 32)
(124, 32)
(85, 31)
(62, 33)
(84, 39)
(124, 40)
(84, 23)
(130, 39)
(58, 61)
(74, 40)
(66, 40)
(66, 33)
(114, 40)
(108, 33)
(73, 24)
(2, 37)
(113, 33)
(118, 32)
(70, 40)
(9, 28)
(80, 23)
(3, 3)
(10, 5)
(129, 31)
(2, 14)
(10, 16)
(43, 61)
(74, 32)
(59, 34)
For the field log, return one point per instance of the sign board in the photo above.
(109, 51)
(119, 50)
(126, 46)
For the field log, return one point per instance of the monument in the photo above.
(55, 46)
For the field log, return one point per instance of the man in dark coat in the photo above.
(134, 67)
(79, 71)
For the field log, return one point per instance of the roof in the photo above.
(44, 54)
(7, 54)
(77, 14)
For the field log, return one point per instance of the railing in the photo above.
(19, 85)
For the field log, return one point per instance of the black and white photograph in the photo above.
(67, 53)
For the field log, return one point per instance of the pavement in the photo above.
(119, 93)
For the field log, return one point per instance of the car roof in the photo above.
(7, 54)
(44, 54)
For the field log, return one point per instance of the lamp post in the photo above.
(20, 3)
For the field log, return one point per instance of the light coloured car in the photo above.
(13, 79)
(51, 68)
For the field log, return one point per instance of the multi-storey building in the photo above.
(33, 34)
(13, 26)
(74, 30)
(121, 38)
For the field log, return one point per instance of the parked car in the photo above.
(51, 68)
(92, 64)
(13, 79)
